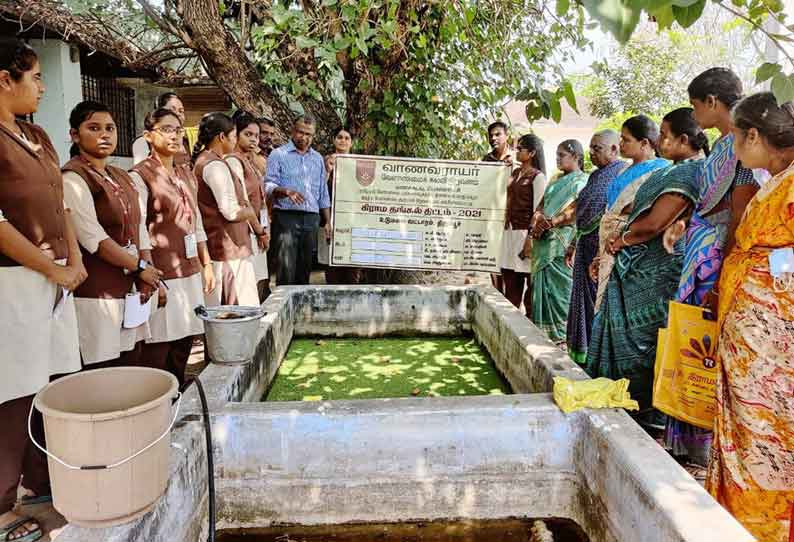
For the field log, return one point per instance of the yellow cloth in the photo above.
(191, 132)
(751, 472)
(573, 395)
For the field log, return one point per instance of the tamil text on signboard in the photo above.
(418, 214)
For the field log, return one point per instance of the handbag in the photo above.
(686, 371)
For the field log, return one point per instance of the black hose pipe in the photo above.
(210, 461)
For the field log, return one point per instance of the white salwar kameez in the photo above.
(513, 240)
(258, 255)
(38, 343)
(176, 320)
(218, 177)
(100, 321)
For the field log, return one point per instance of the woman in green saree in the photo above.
(646, 272)
(552, 230)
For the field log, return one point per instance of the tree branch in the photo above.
(760, 28)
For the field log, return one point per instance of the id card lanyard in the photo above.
(190, 240)
(126, 206)
(781, 267)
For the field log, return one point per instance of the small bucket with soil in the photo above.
(232, 332)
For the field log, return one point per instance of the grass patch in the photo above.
(327, 369)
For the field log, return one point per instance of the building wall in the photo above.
(146, 95)
(61, 75)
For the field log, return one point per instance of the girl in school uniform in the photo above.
(241, 163)
(40, 264)
(110, 226)
(226, 214)
(179, 245)
(141, 147)
(523, 195)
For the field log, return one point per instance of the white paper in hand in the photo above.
(60, 300)
(135, 312)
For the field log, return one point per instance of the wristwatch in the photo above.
(142, 265)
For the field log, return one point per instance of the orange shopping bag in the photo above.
(685, 375)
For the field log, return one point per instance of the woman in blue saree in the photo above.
(590, 207)
(645, 275)
(725, 188)
(639, 136)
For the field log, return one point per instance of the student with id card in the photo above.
(110, 228)
(40, 263)
(241, 163)
(751, 473)
(226, 213)
(179, 244)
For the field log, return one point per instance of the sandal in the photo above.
(5, 532)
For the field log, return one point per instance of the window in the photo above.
(121, 102)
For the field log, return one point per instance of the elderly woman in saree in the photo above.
(638, 140)
(751, 471)
(645, 275)
(590, 206)
(552, 230)
(725, 189)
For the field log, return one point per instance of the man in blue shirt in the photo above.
(296, 181)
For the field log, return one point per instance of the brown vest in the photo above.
(170, 216)
(520, 199)
(225, 240)
(253, 183)
(119, 214)
(31, 191)
(182, 158)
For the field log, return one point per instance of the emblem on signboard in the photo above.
(365, 172)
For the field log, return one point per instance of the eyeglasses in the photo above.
(170, 130)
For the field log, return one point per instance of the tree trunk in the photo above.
(227, 63)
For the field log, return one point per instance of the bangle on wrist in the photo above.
(623, 238)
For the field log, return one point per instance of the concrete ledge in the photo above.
(418, 458)
(521, 351)
(642, 488)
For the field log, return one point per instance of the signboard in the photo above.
(430, 215)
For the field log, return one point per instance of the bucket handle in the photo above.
(103, 467)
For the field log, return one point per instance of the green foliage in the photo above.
(421, 78)
(639, 79)
(621, 18)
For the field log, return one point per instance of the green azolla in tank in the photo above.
(328, 369)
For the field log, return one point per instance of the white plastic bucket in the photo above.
(108, 439)
(232, 332)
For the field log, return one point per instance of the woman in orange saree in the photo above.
(751, 472)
